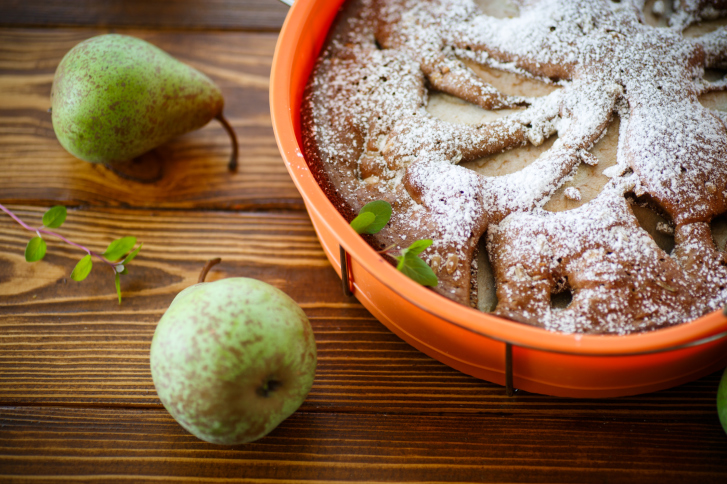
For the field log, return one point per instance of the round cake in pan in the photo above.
(568, 159)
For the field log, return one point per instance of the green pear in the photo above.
(231, 359)
(115, 97)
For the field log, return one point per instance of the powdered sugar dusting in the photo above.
(367, 124)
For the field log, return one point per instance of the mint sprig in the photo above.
(414, 267)
(53, 218)
(372, 218)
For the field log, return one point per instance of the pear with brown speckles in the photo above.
(115, 97)
(233, 358)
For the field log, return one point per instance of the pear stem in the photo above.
(232, 166)
(206, 269)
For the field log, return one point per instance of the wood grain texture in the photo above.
(103, 445)
(69, 343)
(158, 14)
(36, 167)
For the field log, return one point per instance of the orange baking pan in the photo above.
(485, 346)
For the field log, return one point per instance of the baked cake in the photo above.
(568, 158)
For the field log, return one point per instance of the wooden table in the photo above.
(77, 401)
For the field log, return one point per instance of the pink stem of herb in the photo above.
(386, 250)
(50, 232)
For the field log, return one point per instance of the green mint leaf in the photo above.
(117, 280)
(131, 256)
(414, 267)
(82, 269)
(119, 247)
(418, 270)
(35, 250)
(55, 217)
(362, 222)
(400, 264)
(382, 214)
(417, 247)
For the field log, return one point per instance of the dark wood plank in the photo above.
(104, 445)
(69, 343)
(157, 14)
(36, 168)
